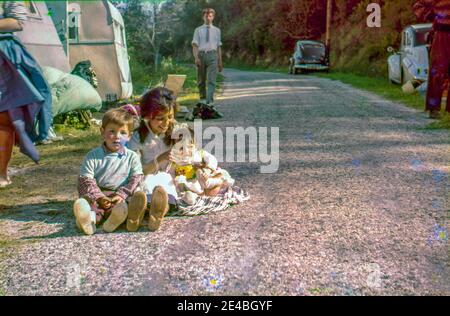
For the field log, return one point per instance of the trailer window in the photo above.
(73, 33)
(74, 17)
(420, 37)
(74, 26)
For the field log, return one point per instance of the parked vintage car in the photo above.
(309, 56)
(412, 61)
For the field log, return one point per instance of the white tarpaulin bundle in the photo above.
(70, 92)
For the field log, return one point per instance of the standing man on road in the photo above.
(438, 12)
(206, 47)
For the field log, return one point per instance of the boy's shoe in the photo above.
(85, 218)
(159, 206)
(136, 211)
(118, 216)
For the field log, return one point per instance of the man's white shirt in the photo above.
(200, 38)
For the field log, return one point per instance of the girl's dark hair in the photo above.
(153, 102)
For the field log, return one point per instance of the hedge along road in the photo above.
(357, 207)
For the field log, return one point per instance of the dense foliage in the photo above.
(263, 32)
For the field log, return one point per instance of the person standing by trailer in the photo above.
(24, 93)
(206, 48)
(438, 12)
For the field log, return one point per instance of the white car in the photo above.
(412, 61)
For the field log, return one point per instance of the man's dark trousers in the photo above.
(207, 75)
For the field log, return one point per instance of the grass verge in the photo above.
(55, 178)
(145, 77)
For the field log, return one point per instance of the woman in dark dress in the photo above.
(24, 93)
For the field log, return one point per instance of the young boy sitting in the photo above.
(109, 175)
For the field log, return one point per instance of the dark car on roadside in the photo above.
(309, 56)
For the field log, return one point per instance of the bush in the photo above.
(75, 119)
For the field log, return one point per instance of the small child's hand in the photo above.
(167, 156)
(117, 199)
(198, 165)
(104, 203)
(171, 157)
(203, 176)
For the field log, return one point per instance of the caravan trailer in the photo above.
(61, 34)
(40, 37)
(96, 31)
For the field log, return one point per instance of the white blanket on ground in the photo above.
(162, 179)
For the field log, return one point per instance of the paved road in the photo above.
(357, 207)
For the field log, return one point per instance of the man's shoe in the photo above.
(159, 206)
(85, 218)
(435, 114)
(118, 216)
(136, 211)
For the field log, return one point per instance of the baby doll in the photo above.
(195, 171)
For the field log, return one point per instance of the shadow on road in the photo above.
(53, 219)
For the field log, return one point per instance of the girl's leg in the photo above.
(211, 186)
(136, 211)
(6, 147)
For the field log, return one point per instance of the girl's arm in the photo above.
(150, 168)
(10, 25)
(153, 166)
